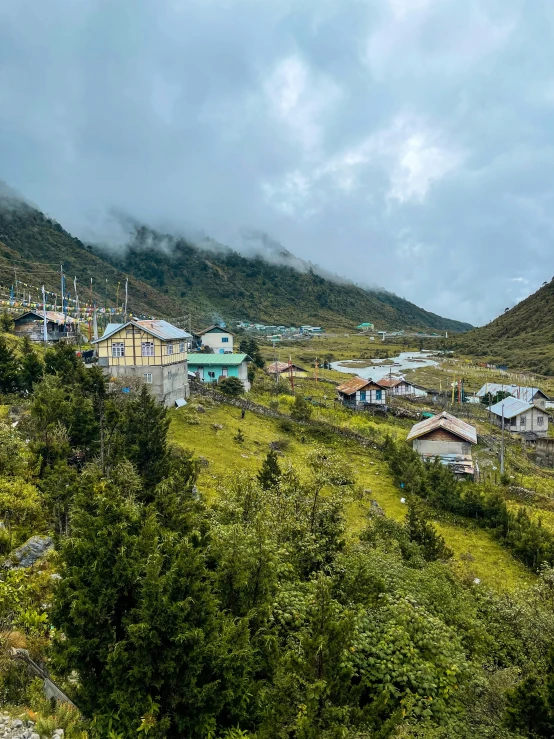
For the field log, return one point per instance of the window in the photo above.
(362, 394)
(378, 394)
(224, 339)
(211, 375)
(147, 348)
(540, 420)
(170, 348)
(148, 378)
(522, 421)
(118, 349)
(182, 347)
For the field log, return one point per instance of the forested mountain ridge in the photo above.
(523, 336)
(169, 277)
(218, 280)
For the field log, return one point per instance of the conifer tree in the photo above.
(9, 368)
(270, 472)
(140, 622)
(420, 531)
(31, 367)
(145, 424)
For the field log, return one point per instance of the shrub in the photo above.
(231, 386)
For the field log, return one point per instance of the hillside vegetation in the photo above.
(218, 281)
(35, 245)
(170, 277)
(522, 337)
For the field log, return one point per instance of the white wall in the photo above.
(216, 343)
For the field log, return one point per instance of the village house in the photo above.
(520, 416)
(396, 386)
(358, 392)
(154, 351)
(58, 326)
(532, 395)
(211, 368)
(448, 439)
(286, 369)
(542, 448)
(216, 338)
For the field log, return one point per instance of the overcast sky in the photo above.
(404, 143)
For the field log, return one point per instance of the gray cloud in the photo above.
(406, 143)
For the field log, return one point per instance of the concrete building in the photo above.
(218, 339)
(447, 438)
(284, 369)
(520, 416)
(213, 367)
(358, 392)
(154, 351)
(532, 395)
(58, 326)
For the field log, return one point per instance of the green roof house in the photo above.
(211, 367)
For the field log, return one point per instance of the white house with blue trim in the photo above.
(216, 338)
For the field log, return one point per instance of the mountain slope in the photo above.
(169, 277)
(32, 247)
(523, 337)
(220, 282)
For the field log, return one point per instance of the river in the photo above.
(376, 370)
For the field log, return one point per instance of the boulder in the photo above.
(29, 553)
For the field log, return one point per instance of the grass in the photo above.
(226, 457)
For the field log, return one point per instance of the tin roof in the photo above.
(512, 407)
(518, 391)
(163, 329)
(211, 328)
(156, 327)
(393, 381)
(282, 367)
(51, 315)
(355, 384)
(447, 422)
(223, 360)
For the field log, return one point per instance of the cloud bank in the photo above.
(404, 143)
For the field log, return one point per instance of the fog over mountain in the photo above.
(402, 143)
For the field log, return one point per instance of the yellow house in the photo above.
(153, 350)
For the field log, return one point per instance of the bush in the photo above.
(231, 386)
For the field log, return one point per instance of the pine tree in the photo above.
(301, 410)
(9, 369)
(6, 322)
(420, 531)
(270, 472)
(141, 625)
(31, 367)
(145, 423)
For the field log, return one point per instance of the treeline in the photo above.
(527, 539)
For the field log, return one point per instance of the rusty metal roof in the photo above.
(393, 381)
(282, 367)
(444, 421)
(355, 384)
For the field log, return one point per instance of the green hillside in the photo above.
(218, 281)
(522, 337)
(35, 245)
(170, 277)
